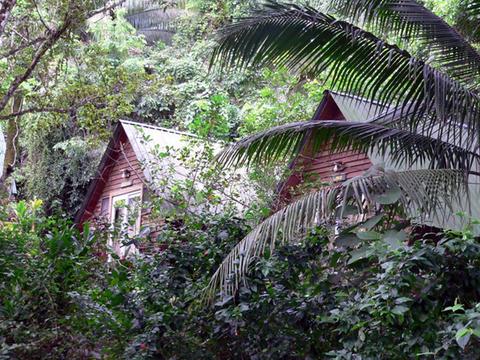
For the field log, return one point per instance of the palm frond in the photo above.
(304, 39)
(155, 19)
(423, 194)
(158, 19)
(411, 20)
(402, 146)
(467, 20)
(473, 8)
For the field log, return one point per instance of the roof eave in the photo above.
(101, 166)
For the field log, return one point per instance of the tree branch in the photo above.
(47, 45)
(74, 107)
(6, 7)
(105, 8)
(21, 47)
(34, 110)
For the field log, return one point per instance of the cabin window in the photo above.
(104, 209)
(125, 222)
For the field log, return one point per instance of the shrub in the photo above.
(376, 298)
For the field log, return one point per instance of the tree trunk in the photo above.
(11, 138)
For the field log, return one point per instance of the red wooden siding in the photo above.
(320, 165)
(110, 181)
(355, 164)
(116, 183)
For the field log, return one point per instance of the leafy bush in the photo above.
(42, 261)
(60, 299)
(308, 301)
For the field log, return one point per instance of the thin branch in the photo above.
(22, 47)
(47, 45)
(40, 16)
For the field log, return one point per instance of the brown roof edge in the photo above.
(112, 144)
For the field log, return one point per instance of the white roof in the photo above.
(157, 149)
(149, 141)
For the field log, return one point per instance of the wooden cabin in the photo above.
(125, 175)
(324, 166)
(138, 163)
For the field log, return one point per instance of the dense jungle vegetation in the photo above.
(70, 70)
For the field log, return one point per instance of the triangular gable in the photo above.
(354, 108)
(334, 106)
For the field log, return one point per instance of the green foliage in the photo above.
(281, 99)
(366, 295)
(43, 260)
(63, 150)
(310, 300)
(59, 167)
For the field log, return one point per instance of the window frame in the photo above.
(116, 244)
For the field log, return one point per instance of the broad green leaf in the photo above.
(402, 300)
(463, 337)
(399, 310)
(346, 240)
(389, 197)
(394, 239)
(368, 235)
(454, 308)
(360, 254)
(372, 222)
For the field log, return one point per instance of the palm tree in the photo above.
(157, 20)
(434, 121)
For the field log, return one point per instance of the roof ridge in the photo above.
(154, 127)
(359, 98)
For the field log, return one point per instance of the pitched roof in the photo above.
(356, 108)
(148, 140)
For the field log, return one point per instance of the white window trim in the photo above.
(115, 244)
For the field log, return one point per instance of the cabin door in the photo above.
(125, 222)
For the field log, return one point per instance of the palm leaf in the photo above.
(423, 194)
(158, 19)
(155, 19)
(411, 20)
(304, 39)
(473, 8)
(467, 20)
(401, 146)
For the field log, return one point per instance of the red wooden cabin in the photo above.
(325, 166)
(141, 160)
(125, 175)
